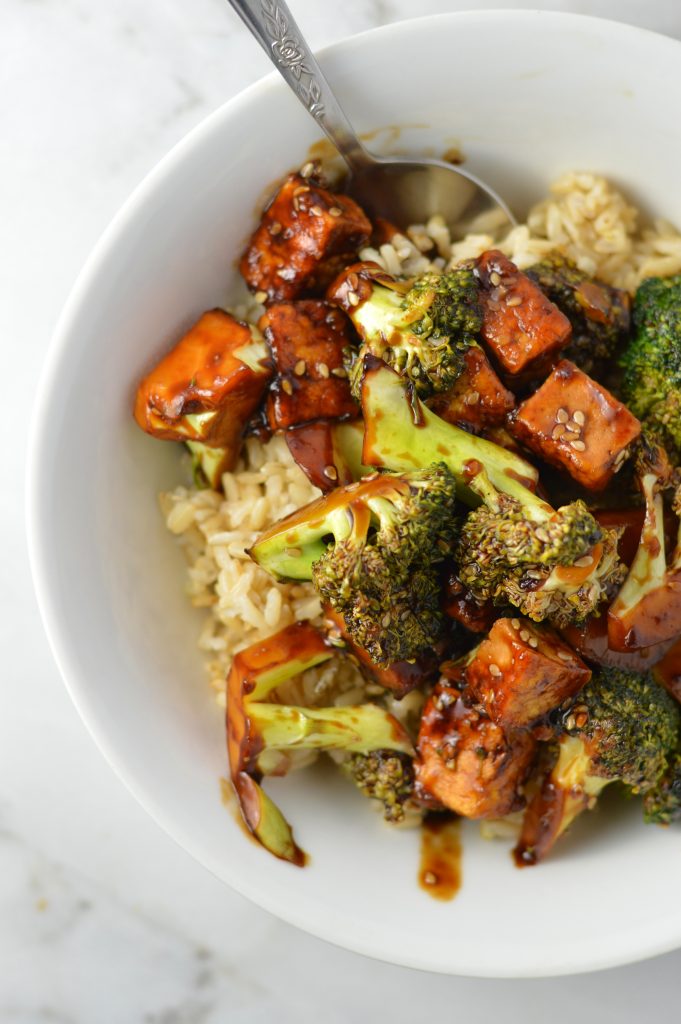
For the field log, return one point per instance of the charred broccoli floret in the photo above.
(262, 733)
(383, 775)
(372, 550)
(422, 330)
(551, 564)
(598, 313)
(662, 804)
(623, 727)
(651, 385)
(647, 610)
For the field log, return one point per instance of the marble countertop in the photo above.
(103, 919)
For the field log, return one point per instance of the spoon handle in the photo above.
(275, 28)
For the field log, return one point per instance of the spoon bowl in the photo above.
(400, 190)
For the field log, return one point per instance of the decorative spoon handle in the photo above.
(275, 28)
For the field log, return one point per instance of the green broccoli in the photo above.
(647, 609)
(662, 804)
(599, 314)
(262, 733)
(208, 464)
(384, 775)
(422, 330)
(372, 550)
(651, 385)
(557, 565)
(622, 727)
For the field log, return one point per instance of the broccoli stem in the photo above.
(401, 433)
(648, 570)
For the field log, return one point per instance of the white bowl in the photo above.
(528, 95)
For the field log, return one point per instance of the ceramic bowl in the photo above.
(526, 95)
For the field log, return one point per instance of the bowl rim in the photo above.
(667, 936)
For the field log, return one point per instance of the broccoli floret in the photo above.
(557, 565)
(261, 734)
(662, 804)
(372, 550)
(599, 314)
(647, 610)
(623, 727)
(651, 385)
(422, 330)
(383, 775)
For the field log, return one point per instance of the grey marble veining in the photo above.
(103, 920)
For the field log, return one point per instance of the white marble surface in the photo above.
(102, 918)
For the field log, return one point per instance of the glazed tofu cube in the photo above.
(577, 425)
(208, 386)
(460, 605)
(520, 672)
(522, 328)
(302, 227)
(307, 339)
(467, 762)
(401, 677)
(478, 399)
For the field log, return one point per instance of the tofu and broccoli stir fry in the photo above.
(494, 530)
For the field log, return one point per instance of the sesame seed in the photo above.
(533, 642)
(331, 472)
(296, 204)
(339, 371)
(494, 670)
(282, 272)
(472, 398)
(562, 416)
(515, 623)
(570, 435)
(323, 370)
(581, 720)
(335, 211)
(495, 278)
(430, 878)
(582, 562)
(301, 190)
(300, 368)
(287, 386)
(385, 622)
(515, 300)
(275, 227)
(558, 431)
(579, 417)
(307, 169)
(260, 296)
(574, 426)
(533, 574)
(542, 535)
(564, 656)
(353, 281)
(524, 635)
(316, 211)
(353, 298)
(570, 722)
(578, 446)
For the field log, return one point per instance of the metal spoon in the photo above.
(403, 191)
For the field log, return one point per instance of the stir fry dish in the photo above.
(476, 606)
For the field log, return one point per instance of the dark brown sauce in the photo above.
(668, 671)
(440, 865)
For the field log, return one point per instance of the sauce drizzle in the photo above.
(440, 864)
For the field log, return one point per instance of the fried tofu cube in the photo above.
(478, 398)
(302, 227)
(521, 671)
(467, 762)
(208, 386)
(577, 425)
(401, 677)
(522, 327)
(307, 339)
